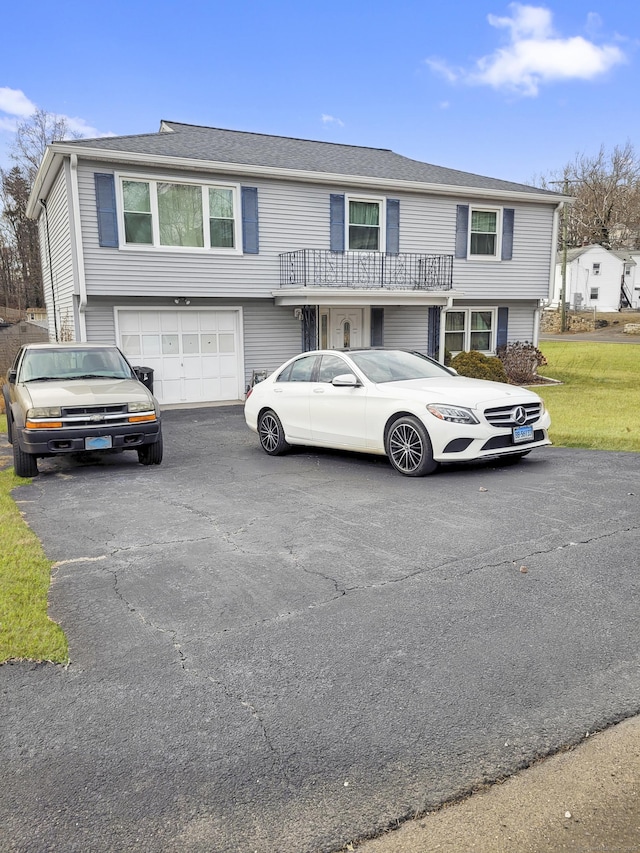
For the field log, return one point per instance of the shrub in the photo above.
(521, 362)
(479, 366)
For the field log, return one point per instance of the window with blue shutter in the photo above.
(106, 210)
(462, 230)
(508, 216)
(336, 214)
(250, 235)
(393, 226)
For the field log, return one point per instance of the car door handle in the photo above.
(318, 390)
(277, 390)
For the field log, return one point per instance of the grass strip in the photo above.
(26, 631)
(598, 405)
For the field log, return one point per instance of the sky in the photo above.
(506, 90)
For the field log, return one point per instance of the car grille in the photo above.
(79, 416)
(504, 416)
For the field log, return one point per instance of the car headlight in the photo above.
(142, 406)
(453, 414)
(44, 412)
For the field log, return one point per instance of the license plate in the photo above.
(522, 433)
(97, 442)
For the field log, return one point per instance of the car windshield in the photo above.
(70, 363)
(396, 365)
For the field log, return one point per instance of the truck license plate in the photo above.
(97, 442)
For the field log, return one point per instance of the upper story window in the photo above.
(483, 232)
(365, 225)
(596, 269)
(168, 214)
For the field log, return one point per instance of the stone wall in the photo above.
(576, 321)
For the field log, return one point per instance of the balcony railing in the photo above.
(367, 270)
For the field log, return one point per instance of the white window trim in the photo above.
(382, 202)
(486, 209)
(156, 246)
(467, 328)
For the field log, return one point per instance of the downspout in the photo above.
(554, 249)
(78, 253)
(50, 259)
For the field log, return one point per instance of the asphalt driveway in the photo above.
(290, 653)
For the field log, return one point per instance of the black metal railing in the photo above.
(405, 271)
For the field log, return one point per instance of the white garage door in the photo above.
(195, 355)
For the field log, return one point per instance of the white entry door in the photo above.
(195, 354)
(346, 327)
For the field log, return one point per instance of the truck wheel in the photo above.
(24, 464)
(151, 454)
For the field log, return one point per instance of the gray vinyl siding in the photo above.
(57, 259)
(295, 216)
(406, 327)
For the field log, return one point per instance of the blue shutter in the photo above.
(508, 215)
(433, 328)
(503, 325)
(393, 226)
(309, 328)
(336, 222)
(106, 210)
(250, 235)
(377, 326)
(462, 230)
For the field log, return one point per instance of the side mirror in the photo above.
(345, 380)
(11, 376)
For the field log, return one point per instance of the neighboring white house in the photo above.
(598, 278)
(209, 255)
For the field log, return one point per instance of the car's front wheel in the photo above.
(409, 448)
(24, 464)
(151, 454)
(271, 433)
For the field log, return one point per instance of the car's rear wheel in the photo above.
(151, 454)
(24, 464)
(271, 433)
(409, 448)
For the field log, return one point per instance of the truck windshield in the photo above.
(71, 363)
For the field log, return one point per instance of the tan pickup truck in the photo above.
(78, 398)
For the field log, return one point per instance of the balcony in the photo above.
(365, 270)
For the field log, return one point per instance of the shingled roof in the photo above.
(192, 142)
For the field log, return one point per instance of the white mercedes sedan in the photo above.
(397, 403)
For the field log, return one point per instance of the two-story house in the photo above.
(598, 278)
(208, 255)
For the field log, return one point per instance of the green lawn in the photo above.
(598, 404)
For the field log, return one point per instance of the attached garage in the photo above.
(196, 354)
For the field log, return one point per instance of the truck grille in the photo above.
(94, 416)
(507, 416)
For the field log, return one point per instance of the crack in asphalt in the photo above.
(183, 659)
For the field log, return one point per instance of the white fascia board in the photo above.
(355, 297)
(45, 177)
(299, 175)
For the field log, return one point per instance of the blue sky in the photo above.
(510, 90)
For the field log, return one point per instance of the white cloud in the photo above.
(326, 119)
(16, 107)
(15, 103)
(535, 55)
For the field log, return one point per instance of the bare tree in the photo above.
(20, 268)
(606, 188)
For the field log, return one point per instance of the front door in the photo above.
(346, 327)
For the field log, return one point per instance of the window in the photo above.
(330, 367)
(364, 225)
(483, 233)
(163, 213)
(300, 370)
(469, 329)
(596, 269)
(593, 293)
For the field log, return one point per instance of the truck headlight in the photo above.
(44, 412)
(141, 406)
